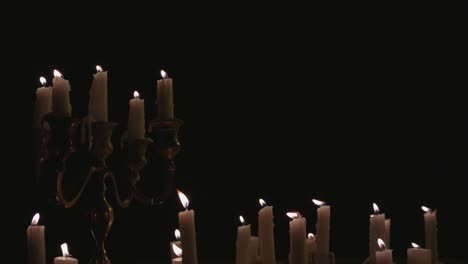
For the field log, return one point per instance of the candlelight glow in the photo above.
(64, 247)
(177, 250)
(42, 80)
(415, 245)
(136, 94)
(183, 199)
(318, 202)
(426, 209)
(57, 74)
(98, 68)
(376, 208)
(35, 219)
(241, 219)
(293, 215)
(177, 234)
(310, 235)
(262, 202)
(381, 244)
(163, 74)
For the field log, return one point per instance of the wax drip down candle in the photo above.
(376, 231)
(36, 242)
(266, 234)
(98, 96)
(187, 231)
(430, 231)
(43, 103)
(61, 95)
(297, 236)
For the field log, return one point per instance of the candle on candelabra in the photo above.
(418, 255)
(384, 256)
(388, 224)
(176, 242)
(297, 238)
(253, 250)
(242, 242)
(177, 251)
(311, 247)
(98, 96)
(43, 102)
(187, 231)
(61, 95)
(36, 242)
(165, 97)
(376, 230)
(266, 233)
(66, 257)
(136, 117)
(430, 231)
(323, 231)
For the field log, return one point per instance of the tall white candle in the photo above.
(376, 230)
(311, 248)
(36, 242)
(66, 258)
(388, 224)
(430, 231)
(266, 234)
(242, 242)
(385, 256)
(43, 102)
(61, 95)
(177, 251)
(418, 255)
(98, 96)
(187, 232)
(253, 250)
(176, 242)
(323, 231)
(297, 235)
(165, 99)
(136, 118)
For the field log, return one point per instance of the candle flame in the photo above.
(136, 94)
(177, 234)
(57, 74)
(35, 219)
(415, 245)
(381, 244)
(64, 247)
(318, 202)
(376, 208)
(177, 250)
(43, 80)
(241, 219)
(163, 74)
(183, 199)
(293, 215)
(98, 68)
(262, 202)
(311, 235)
(426, 209)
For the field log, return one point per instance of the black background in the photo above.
(280, 109)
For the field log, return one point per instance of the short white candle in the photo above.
(297, 235)
(385, 256)
(323, 231)
(418, 255)
(376, 230)
(61, 95)
(136, 118)
(43, 103)
(266, 233)
(187, 231)
(36, 242)
(178, 254)
(242, 242)
(66, 258)
(311, 247)
(430, 232)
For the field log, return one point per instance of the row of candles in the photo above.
(261, 249)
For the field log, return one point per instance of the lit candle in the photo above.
(385, 255)
(388, 224)
(66, 257)
(60, 95)
(266, 233)
(98, 96)
(176, 242)
(43, 102)
(297, 238)
(36, 242)
(311, 247)
(242, 242)
(253, 250)
(376, 230)
(165, 98)
(136, 117)
(187, 231)
(430, 231)
(177, 253)
(418, 255)
(323, 231)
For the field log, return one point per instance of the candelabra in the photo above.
(60, 146)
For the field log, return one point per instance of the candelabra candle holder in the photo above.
(60, 143)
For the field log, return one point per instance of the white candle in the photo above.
(323, 231)
(430, 231)
(187, 232)
(266, 234)
(98, 96)
(376, 230)
(388, 224)
(418, 255)
(66, 258)
(165, 98)
(311, 247)
(384, 256)
(36, 242)
(297, 236)
(253, 250)
(136, 118)
(177, 243)
(242, 242)
(43, 102)
(177, 253)
(60, 95)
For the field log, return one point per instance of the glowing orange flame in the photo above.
(35, 219)
(310, 235)
(177, 250)
(241, 219)
(64, 247)
(293, 215)
(381, 244)
(262, 202)
(318, 202)
(183, 199)
(376, 208)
